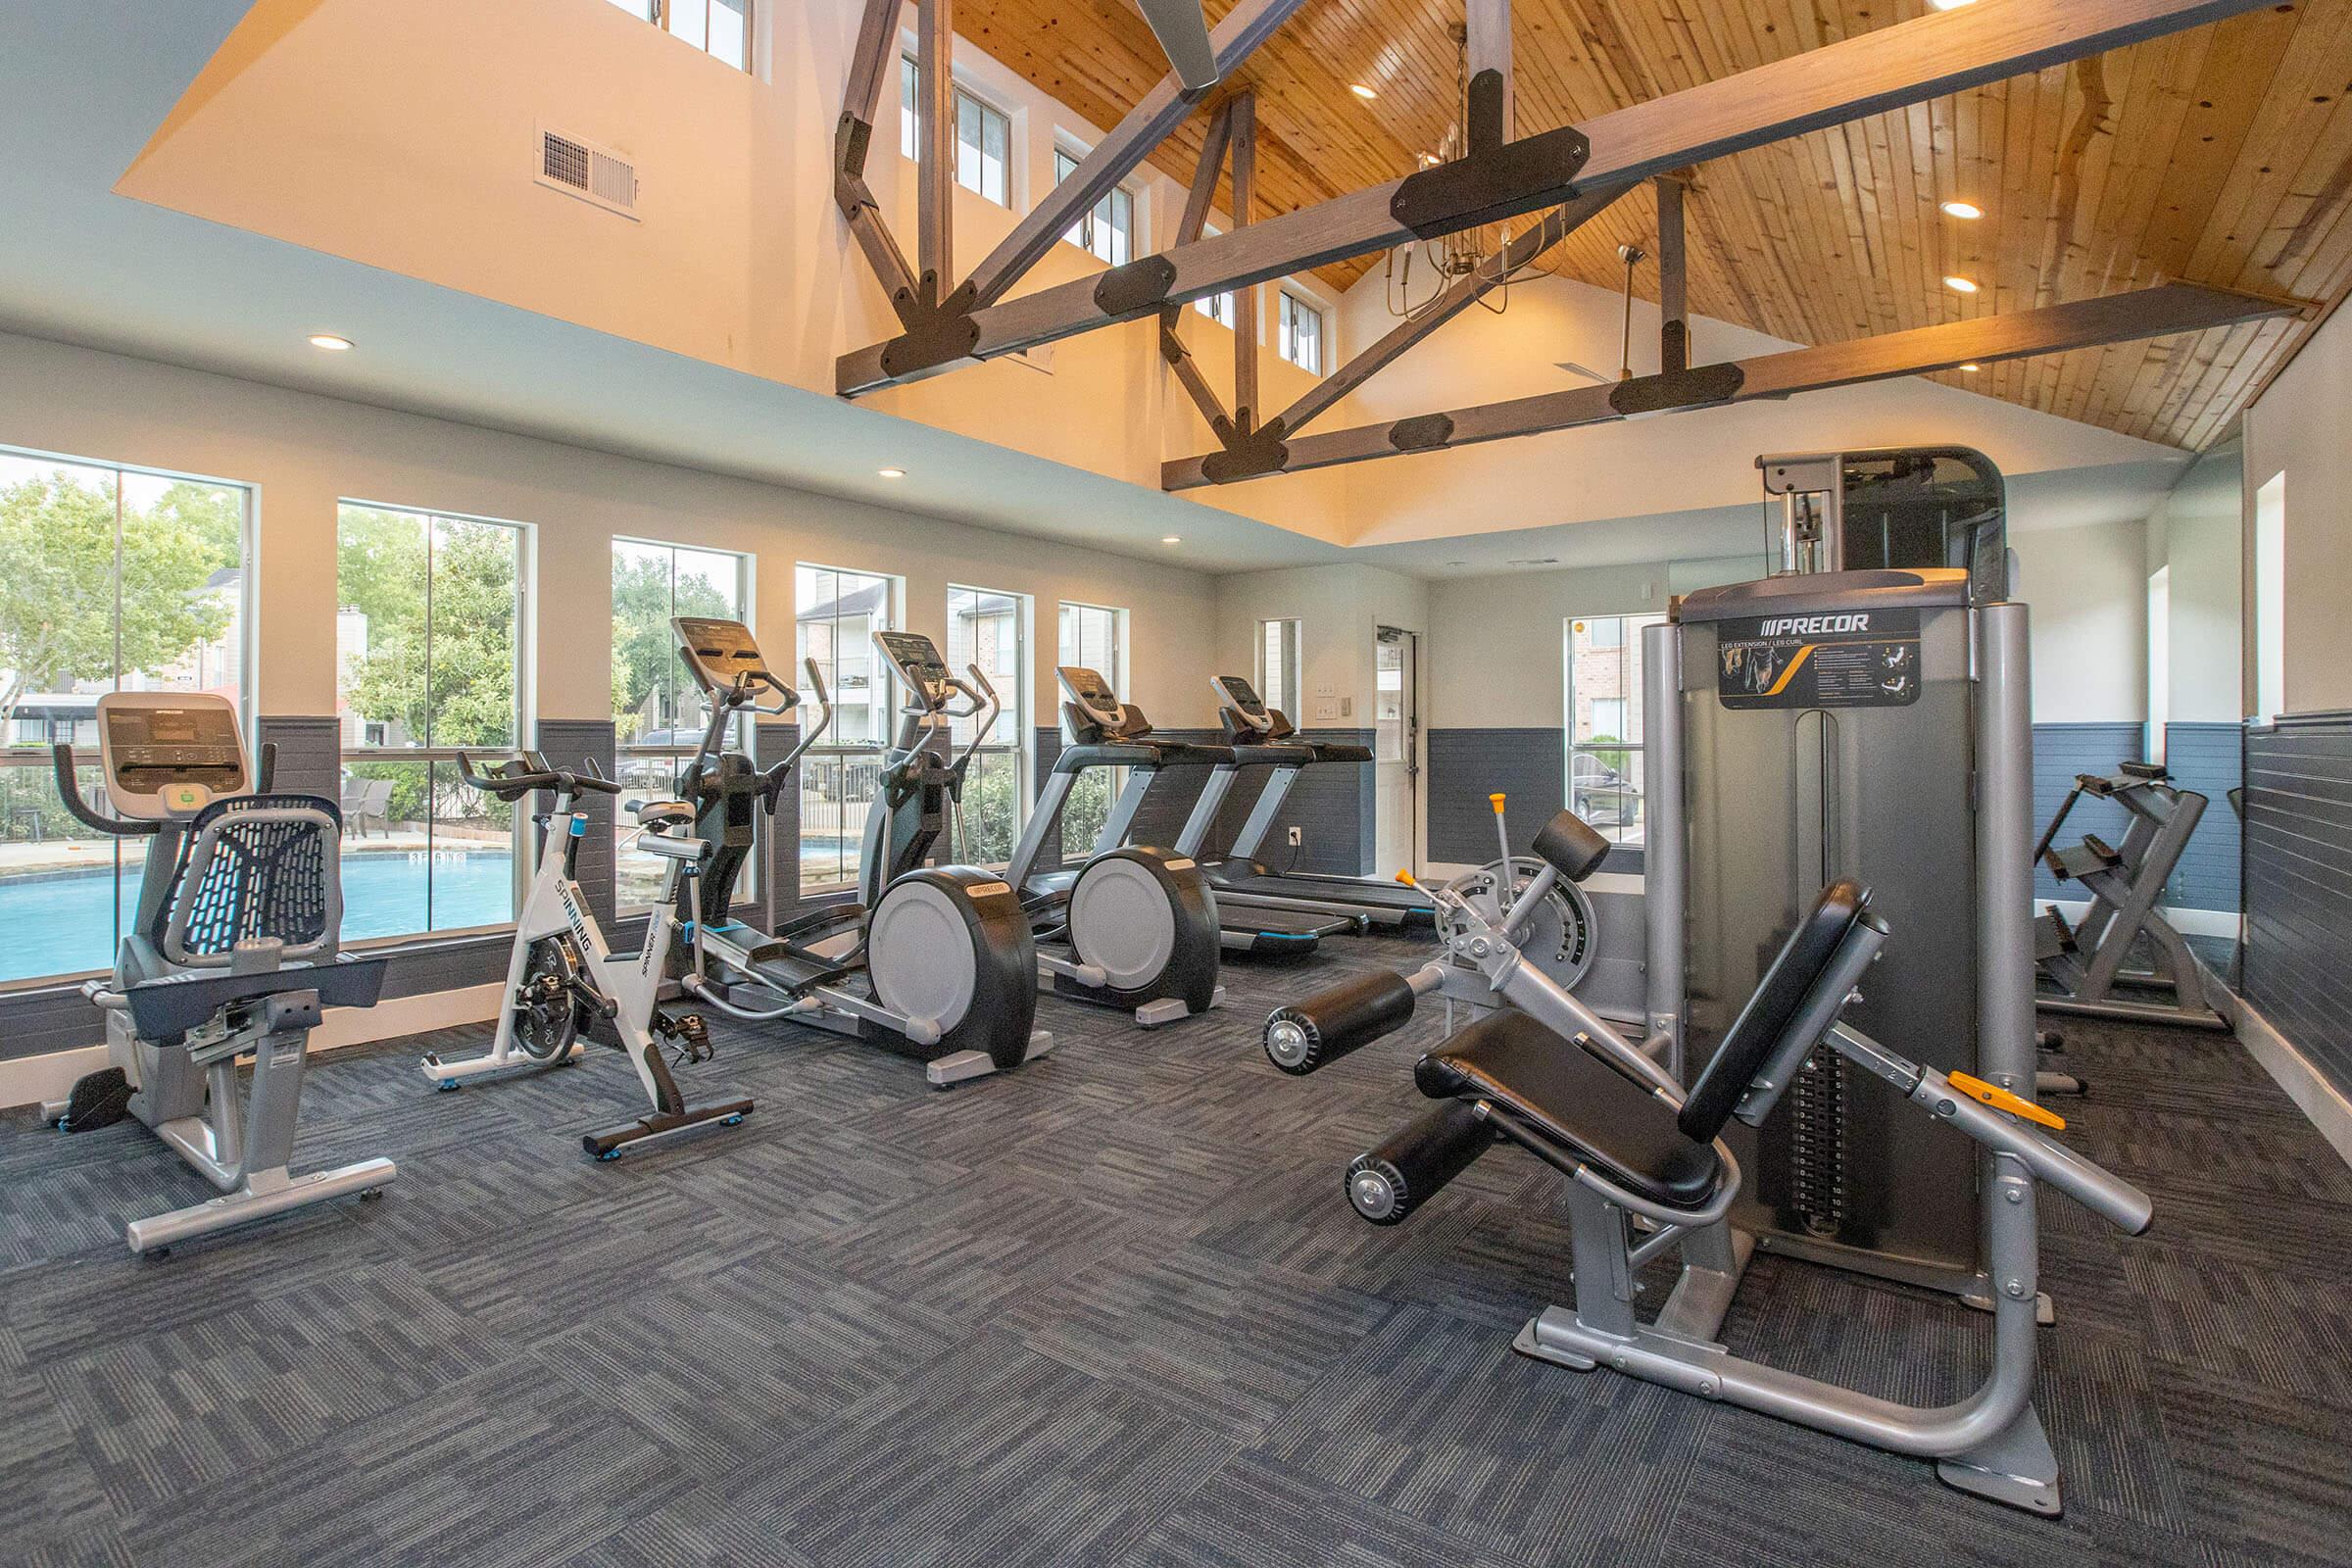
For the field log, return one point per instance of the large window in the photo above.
(428, 644)
(836, 614)
(720, 28)
(1300, 336)
(1278, 666)
(658, 710)
(983, 136)
(1094, 637)
(1604, 722)
(1109, 227)
(115, 580)
(988, 628)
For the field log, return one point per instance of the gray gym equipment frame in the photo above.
(2126, 882)
(1569, 173)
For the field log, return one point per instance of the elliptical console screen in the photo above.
(916, 659)
(720, 653)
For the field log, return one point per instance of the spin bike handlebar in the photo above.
(512, 787)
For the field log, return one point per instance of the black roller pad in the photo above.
(1572, 847)
(1347, 1018)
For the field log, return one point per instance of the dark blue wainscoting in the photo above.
(1529, 767)
(2209, 759)
(2298, 884)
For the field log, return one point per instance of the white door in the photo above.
(1396, 753)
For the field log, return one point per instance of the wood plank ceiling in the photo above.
(2220, 156)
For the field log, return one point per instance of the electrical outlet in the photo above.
(1297, 837)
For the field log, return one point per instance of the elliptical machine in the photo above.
(232, 953)
(946, 951)
(564, 981)
(1140, 922)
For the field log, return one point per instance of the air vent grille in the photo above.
(582, 169)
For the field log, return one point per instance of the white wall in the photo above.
(1340, 607)
(2297, 428)
(2196, 533)
(2088, 591)
(303, 454)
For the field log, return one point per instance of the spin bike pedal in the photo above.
(689, 1036)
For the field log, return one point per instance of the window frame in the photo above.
(1114, 778)
(525, 621)
(1293, 662)
(1630, 750)
(911, 119)
(830, 748)
(748, 884)
(37, 754)
(665, 13)
(1290, 301)
(1016, 709)
(1081, 234)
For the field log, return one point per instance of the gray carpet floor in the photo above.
(1109, 1310)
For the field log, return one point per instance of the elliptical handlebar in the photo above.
(771, 783)
(69, 791)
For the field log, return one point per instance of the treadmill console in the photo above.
(915, 657)
(1092, 696)
(169, 755)
(1240, 699)
(720, 654)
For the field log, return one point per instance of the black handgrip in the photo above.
(68, 791)
(589, 781)
(1323, 1028)
(265, 775)
(1399, 1177)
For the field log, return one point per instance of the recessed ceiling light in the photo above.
(1949, 5)
(1171, 539)
(1457, 562)
(1971, 370)
(1367, 94)
(1962, 210)
(1961, 285)
(892, 474)
(1429, 160)
(330, 342)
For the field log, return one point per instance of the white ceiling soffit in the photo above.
(2064, 498)
(83, 87)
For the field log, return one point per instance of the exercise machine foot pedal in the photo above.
(97, 1100)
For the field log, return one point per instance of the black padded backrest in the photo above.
(253, 867)
(1772, 1009)
(1572, 847)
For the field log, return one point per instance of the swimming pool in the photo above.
(64, 926)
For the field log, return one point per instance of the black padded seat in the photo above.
(1773, 1007)
(1588, 1111)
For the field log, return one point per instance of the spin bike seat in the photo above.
(660, 814)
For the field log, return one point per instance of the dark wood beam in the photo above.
(1487, 28)
(1521, 249)
(1121, 151)
(1188, 374)
(2021, 334)
(935, 141)
(873, 236)
(1674, 312)
(1203, 194)
(870, 60)
(1245, 319)
(1929, 56)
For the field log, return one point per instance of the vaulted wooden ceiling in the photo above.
(2218, 156)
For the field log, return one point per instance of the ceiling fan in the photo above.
(1181, 29)
(1632, 256)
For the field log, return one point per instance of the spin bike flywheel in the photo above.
(1560, 939)
(548, 1011)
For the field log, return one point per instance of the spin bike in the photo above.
(949, 964)
(232, 952)
(562, 979)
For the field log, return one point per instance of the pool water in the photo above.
(66, 925)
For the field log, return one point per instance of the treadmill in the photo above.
(1105, 732)
(1262, 738)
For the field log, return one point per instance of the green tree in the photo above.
(59, 598)
(644, 656)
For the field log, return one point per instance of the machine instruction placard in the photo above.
(1832, 658)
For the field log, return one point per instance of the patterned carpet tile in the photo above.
(1109, 1310)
